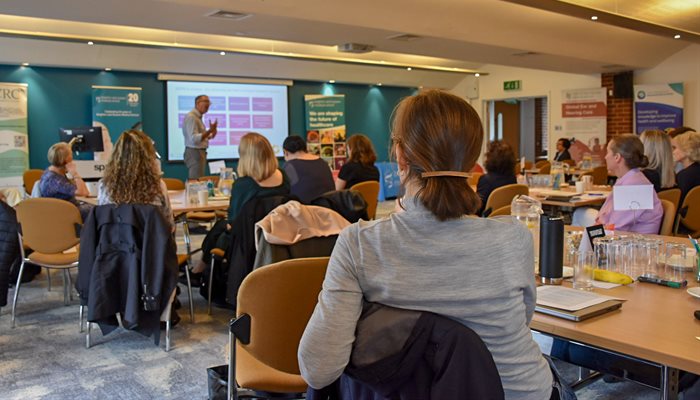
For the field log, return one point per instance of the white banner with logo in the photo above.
(584, 112)
(14, 146)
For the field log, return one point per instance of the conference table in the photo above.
(180, 205)
(655, 325)
(594, 197)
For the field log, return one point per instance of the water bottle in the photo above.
(551, 250)
(210, 187)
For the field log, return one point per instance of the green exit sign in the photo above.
(511, 85)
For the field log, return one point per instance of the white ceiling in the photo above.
(463, 34)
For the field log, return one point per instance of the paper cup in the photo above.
(203, 197)
(580, 187)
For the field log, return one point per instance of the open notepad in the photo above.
(571, 304)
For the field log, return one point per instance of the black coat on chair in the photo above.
(9, 248)
(128, 265)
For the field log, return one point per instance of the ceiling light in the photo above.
(234, 15)
(379, 84)
(25, 64)
(594, 18)
(477, 74)
(90, 43)
(222, 53)
(677, 36)
(108, 69)
(409, 68)
(331, 81)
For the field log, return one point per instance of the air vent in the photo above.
(613, 66)
(236, 16)
(404, 37)
(526, 54)
(357, 48)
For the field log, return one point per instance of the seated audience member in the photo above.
(452, 262)
(259, 176)
(624, 158)
(132, 175)
(686, 152)
(500, 170)
(563, 146)
(677, 132)
(360, 166)
(657, 148)
(61, 180)
(308, 174)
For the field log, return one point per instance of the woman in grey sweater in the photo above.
(434, 256)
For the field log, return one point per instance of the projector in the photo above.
(357, 48)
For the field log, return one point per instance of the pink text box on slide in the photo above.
(262, 104)
(239, 103)
(262, 121)
(219, 139)
(209, 118)
(238, 121)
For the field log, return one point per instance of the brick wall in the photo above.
(619, 110)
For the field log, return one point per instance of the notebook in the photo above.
(582, 314)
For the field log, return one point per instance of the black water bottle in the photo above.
(551, 249)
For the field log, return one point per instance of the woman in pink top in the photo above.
(624, 158)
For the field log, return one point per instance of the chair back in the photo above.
(528, 165)
(174, 184)
(545, 168)
(213, 178)
(503, 195)
(690, 211)
(370, 192)
(672, 195)
(49, 225)
(280, 299)
(30, 177)
(669, 217)
(600, 175)
(540, 163)
(474, 177)
(505, 210)
(570, 163)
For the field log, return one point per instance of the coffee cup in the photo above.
(203, 197)
(580, 187)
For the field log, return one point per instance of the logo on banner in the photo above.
(132, 98)
(641, 95)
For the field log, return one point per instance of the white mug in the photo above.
(203, 197)
(580, 187)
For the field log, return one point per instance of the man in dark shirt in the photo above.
(563, 150)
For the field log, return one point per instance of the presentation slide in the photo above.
(238, 108)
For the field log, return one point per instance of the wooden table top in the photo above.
(656, 323)
(593, 197)
(179, 204)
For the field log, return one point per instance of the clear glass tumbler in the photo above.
(676, 262)
(584, 264)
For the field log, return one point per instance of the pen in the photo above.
(595, 194)
(663, 282)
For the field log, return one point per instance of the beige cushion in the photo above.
(55, 259)
(253, 374)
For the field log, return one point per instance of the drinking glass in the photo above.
(653, 249)
(584, 264)
(621, 256)
(226, 181)
(676, 262)
(603, 248)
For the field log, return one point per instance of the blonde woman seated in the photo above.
(657, 148)
(259, 176)
(61, 179)
(132, 175)
(455, 265)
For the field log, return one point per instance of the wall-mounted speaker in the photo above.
(623, 85)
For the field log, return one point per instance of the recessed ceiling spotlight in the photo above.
(477, 75)
(331, 81)
(677, 36)
(25, 64)
(379, 84)
(409, 68)
(594, 18)
(108, 69)
(222, 53)
(90, 43)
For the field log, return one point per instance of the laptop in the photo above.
(582, 314)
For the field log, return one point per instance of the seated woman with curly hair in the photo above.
(132, 175)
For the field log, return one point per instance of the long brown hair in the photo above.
(361, 149)
(438, 131)
(131, 176)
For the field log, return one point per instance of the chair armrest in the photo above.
(216, 252)
(240, 328)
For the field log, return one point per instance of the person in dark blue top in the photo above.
(686, 151)
(259, 176)
(563, 146)
(360, 166)
(500, 170)
(61, 180)
(308, 174)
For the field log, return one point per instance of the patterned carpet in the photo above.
(45, 357)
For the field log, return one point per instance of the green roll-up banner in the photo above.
(14, 143)
(115, 109)
(325, 128)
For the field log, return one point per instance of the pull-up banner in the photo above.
(658, 107)
(14, 146)
(325, 128)
(115, 109)
(584, 112)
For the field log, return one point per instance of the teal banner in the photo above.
(325, 128)
(115, 109)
